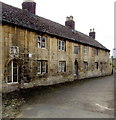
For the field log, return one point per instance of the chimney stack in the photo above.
(29, 5)
(70, 23)
(92, 33)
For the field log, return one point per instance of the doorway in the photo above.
(76, 67)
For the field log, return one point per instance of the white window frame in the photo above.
(61, 45)
(86, 49)
(62, 65)
(43, 42)
(39, 67)
(12, 82)
(42, 67)
(40, 42)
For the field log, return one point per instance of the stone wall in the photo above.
(27, 42)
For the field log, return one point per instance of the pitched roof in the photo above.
(23, 18)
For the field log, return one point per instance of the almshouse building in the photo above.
(37, 51)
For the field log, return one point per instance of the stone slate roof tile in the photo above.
(23, 18)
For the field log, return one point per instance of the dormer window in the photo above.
(41, 42)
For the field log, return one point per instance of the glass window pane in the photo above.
(10, 72)
(43, 45)
(15, 71)
(39, 41)
(43, 39)
(39, 67)
(62, 66)
(59, 45)
(75, 50)
(43, 66)
(9, 79)
(43, 42)
(15, 78)
(63, 45)
(39, 44)
(43, 70)
(14, 64)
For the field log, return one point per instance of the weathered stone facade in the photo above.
(30, 53)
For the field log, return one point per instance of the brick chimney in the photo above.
(29, 5)
(92, 33)
(70, 23)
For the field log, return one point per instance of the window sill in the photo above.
(75, 74)
(62, 73)
(41, 48)
(14, 83)
(40, 75)
(62, 50)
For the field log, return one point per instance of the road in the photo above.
(89, 98)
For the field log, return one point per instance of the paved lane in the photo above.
(89, 98)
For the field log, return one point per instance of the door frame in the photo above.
(75, 67)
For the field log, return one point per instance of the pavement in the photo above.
(88, 98)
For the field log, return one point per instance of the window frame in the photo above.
(12, 73)
(43, 42)
(61, 45)
(62, 66)
(85, 49)
(41, 67)
(40, 42)
(45, 67)
(76, 52)
(85, 66)
(96, 65)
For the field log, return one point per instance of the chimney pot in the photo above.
(71, 17)
(67, 18)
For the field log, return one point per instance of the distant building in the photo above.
(114, 53)
(38, 51)
(114, 60)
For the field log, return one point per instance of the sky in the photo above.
(88, 14)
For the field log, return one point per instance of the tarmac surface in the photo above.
(88, 98)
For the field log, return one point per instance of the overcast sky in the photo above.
(88, 14)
